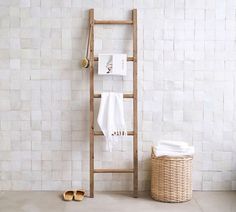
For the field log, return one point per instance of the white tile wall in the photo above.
(187, 61)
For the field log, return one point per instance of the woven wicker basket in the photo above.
(171, 179)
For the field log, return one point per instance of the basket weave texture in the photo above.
(171, 178)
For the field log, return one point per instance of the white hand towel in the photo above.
(111, 117)
(173, 148)
(112, 64)
(158, 152)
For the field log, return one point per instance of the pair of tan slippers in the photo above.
(77, 195)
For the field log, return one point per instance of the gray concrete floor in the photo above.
(114, 202)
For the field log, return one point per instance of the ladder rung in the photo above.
(101, 133)
(128, 58)
(113, 22)
(113, 171)
(127, 95)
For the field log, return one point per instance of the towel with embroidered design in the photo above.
(111, 117)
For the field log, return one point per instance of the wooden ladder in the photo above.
(133, 133)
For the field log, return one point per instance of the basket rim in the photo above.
(164, 157)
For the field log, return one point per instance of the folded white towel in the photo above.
(112, 64)
(158, 152)
(111, 117)
(173, 148)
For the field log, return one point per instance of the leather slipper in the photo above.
(79, 195)
(68, 195)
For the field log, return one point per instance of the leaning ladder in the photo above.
(133, 133)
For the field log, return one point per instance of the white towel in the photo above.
(112, 64)
(111, 117)
(158, 152)
(162, 147)
(173, 148)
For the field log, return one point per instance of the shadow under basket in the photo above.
(171, 178)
